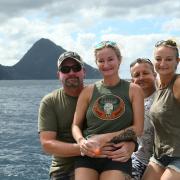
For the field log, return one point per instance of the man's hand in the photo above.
(119, 152)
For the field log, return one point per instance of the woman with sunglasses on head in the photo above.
(165, 111)
(110, 112)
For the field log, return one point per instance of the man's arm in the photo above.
(55, 147)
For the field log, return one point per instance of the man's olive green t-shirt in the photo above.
(56, 114)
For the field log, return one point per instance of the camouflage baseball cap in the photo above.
(72, 55)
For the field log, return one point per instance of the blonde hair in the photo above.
(107, 44)
(168, 43)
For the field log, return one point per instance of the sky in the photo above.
(78, 25)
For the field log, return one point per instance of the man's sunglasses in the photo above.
(104, 44)
(67, 69)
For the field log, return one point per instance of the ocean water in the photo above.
(21, 156)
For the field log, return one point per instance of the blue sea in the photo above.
(21, 156)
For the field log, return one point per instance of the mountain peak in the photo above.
(43, 41)
(40, 62)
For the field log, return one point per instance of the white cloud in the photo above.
(172, 25)
(98, 8)
(78, 25)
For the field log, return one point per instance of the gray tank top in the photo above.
(165, 114)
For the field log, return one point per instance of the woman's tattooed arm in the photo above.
(126, 135)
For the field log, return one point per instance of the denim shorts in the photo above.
(167, 162)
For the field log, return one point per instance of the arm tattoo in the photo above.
(126, 135)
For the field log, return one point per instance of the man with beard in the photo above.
(56, 114)
(55, 118)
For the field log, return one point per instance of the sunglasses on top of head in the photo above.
(104, 44)
(166, 43)
(67, 69)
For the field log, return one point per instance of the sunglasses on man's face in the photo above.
(67, 69)
(104, 44)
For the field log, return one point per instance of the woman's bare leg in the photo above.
(153, 172)
(114, 174)
(86, 174)
(170, 174)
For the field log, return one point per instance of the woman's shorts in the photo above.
(167, 162)
(103, 164)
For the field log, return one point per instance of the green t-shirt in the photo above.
(56, 113)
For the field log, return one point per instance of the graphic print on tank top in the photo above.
(109, 107)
